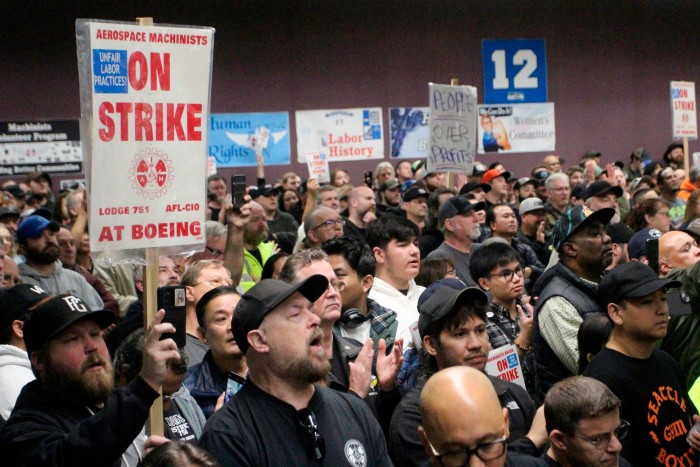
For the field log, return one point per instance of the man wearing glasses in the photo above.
(280, 416)
(584, 424)
(452, 400)
(648, 381)
(322, 225)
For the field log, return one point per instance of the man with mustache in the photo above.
(452, 326)
(571, 294)
(38, 242)
(281, 416)
(362, 208)
(648, 381)
(71, 415)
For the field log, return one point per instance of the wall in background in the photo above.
(609, 63)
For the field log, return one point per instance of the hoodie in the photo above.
(62, 281)
(15, 372)
(687, 188)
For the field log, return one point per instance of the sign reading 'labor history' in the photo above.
(452, 128)
(343, 134)
(685, 124)
(145, 94)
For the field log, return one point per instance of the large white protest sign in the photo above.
(503, 363)
(516, 128)
(317, 163)
(145, 94)
(685, 123)
(452, 143)
(343, 134)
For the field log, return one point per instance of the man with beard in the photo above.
(571, 294)
(361, 211)
(37, 241)
(68, 256)
(460, 225)
(280, 416)
(70, 415)
(669, 185)
(256, 247)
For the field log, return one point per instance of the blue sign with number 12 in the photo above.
(515, 71)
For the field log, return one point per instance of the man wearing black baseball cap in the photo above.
(415, 205)
(458, 221)
(571, 294)
(280, 417)
(600, 195)
(648, 381)
(15, 367)
(70, 415)
(37, 240)
(452, 326)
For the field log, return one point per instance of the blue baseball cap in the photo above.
(34, 226)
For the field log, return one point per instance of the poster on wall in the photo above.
(235, 139)
(685, 124)
(342, 134)
(410, 132)
(452, 144)
(145, 94)
(511, 128)
(51, 146)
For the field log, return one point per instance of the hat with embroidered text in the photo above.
(413, 193)
(637, 246)
(16, 302)
(55, 315)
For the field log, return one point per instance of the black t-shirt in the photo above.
(256, 429)
(654, 401)
(176, 426)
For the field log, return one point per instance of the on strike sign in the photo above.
(145, 94)
(683, 110)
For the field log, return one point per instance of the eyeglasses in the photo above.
(339, 286)
(331, 223)
(217, 281)
(484, 451)
(508, 273)
(602, 442)
(307, 420)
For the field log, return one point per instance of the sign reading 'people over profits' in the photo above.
(145, 94)
(452, 142)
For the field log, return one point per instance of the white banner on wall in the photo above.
(145, 94)
(342, 134)
(509, 128)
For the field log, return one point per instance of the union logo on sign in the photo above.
(151, 173)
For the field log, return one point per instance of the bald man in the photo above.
(451, 401)
(362, 207)
(679, 259)
(677, 250)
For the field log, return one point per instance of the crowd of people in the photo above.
(350, 323)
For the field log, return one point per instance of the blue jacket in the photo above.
(206, 382)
